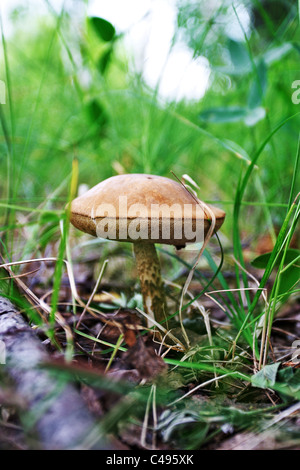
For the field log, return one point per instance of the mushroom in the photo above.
(144, 209)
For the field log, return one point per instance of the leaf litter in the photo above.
(185, 409)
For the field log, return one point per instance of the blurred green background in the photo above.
(73, 91)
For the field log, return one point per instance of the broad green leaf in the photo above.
(224, 114)
(261, 261)
(254, 116)
(96, 112)
(238, 54)
(272, 55)
(50, 217)
(233, 114)
(290, 378)
(105, 59)
(259, 86)
(266, 377)
(277, 53)
(103, 28)
(290, 276)
(285, 375)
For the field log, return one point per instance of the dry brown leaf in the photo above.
(144, 359)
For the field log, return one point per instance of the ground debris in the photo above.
(256, 441)
(65, 421)
(122, 321)
(143, 357)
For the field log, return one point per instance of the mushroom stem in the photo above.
(148, 267)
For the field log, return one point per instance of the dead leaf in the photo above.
(144, 359)
(124, 321)
(130, 337)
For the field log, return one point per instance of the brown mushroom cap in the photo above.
(149, 191)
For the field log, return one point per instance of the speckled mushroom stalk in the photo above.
(152, 288)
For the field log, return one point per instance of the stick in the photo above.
(55, 411)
